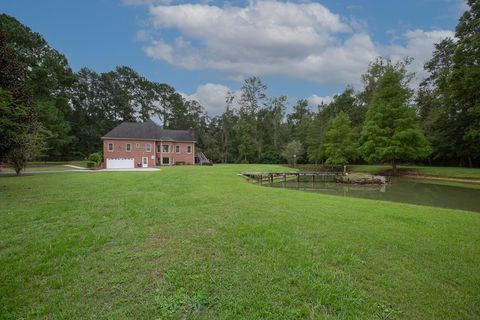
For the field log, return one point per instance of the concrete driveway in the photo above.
(134, 169)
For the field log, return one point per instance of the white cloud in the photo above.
(419, 45)
(314, 100)
(180, 53)
(267, 37)
(264, 38)
(212, 97)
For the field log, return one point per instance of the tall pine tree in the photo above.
(464, 81)
(340, 142)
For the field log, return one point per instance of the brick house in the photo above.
(137, 145)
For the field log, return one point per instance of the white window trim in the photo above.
(168, 148)
(108, 147)
(179, 149)
(189, 148)
(137, 145)
(149, 149)
(126, 147)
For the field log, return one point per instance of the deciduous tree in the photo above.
(291, 151)
(316, 135)
(48, 78)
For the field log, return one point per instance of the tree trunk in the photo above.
(18, 169)
(225, 149)
(470, 164)
(394, 167)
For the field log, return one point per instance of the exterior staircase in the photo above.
(202, 160)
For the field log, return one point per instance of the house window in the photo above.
(189, 149)
(158, 148)
(148, 147)
(177, 149)
(128, 147)
(110, 147)
(137, 145)
(166, 148)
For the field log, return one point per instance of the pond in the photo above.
(433, 193)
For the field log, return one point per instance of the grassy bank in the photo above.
(202, 243)
(40, 168)
(444, 172)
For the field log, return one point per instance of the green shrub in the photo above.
(96, 158)
(91, 164)
(271, 157)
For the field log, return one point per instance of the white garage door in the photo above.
(120, 163)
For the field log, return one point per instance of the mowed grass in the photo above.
(79, 163)
(40, 168)
(202, 243)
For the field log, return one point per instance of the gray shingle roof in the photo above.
(149, 130)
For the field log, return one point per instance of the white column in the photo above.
(161, 153)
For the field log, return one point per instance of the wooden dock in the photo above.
(270, 176)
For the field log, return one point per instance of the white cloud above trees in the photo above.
(419, 45)
(297, 40)
(212, 97)
(314, 100)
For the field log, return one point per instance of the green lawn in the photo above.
(48, 166)
(79, 163)
(201, 243)
(40, 168)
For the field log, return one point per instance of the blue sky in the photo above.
(301, 49)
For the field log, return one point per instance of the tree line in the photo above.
(52, 112)
(378, 124)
